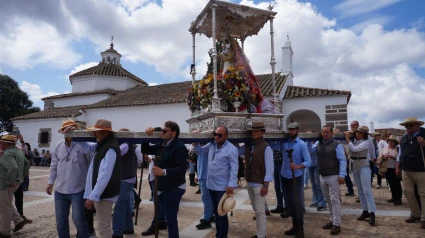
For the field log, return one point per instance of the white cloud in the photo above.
(351, 8)
(380, 20)
(35, 93)
(153, 84)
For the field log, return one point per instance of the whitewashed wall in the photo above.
(138, 118)
(93, 83)
(315, 104)
(80, 100)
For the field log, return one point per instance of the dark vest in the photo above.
(255, 166)
(167, 158)
(113, 187)
(327, 162)
(411, 155)
(129, 163)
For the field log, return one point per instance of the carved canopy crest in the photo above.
(242, 21)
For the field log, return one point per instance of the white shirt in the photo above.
(381, 145)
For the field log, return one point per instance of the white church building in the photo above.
(109, 91)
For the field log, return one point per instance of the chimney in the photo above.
(287, 58)
(371, 127)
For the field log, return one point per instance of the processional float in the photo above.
(228, 96)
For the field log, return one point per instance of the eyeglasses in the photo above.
(216, 134)
(409, 125)
(165, 131)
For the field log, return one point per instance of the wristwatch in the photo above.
(164, 172)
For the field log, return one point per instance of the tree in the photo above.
(13, 102)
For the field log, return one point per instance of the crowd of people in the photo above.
(100, 177)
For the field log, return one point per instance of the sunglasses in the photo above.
(409, 125)
(165, 131)
(216, 134)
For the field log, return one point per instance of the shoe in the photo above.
(285, 214)
(378, 186)
(20, 226)
(363, 216)
(278, 210)
(313, 205)
(254, 218)
(203, 225)
(299, 234)
(321, 208)
(192, 180)
(291, 231)
(397, 202)
(423, 224)
(150, 231)
(328, 226)
(199, 191)
(151, 199)
(390, 200)
(212, 219)
(268, 213)
(349, 194)
(128, 232)
(372, 219)
(26, 219)
(335, 230)
(412, 219)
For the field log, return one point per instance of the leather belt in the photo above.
(358, 158)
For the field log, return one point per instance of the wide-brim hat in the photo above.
(227, 204)
(67, 123)
(412, 120)
(294, 125)
(101, 125)
(376, 134)
(393, 138)
(258, 125)
(11, 139)
(363, 129)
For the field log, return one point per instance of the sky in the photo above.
(375, 49)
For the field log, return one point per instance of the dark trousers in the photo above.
(170, 202)
(374, 170)
(19, 199)
(277, 184)
(293, 199)
(26, 182)
(222, 222)
(89, 218)
(395, 185)
(348, 182)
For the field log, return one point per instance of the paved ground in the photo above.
(390, 219)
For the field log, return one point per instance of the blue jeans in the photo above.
(221, 222)
(305, 176)
(206, 199)
(294, 198)
(278, 184)
(169, 203)
(318, 198)
(62, 204)
(191, 168)
(362, 181)
(122, 219)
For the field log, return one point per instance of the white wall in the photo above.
(80, 100)
(315, 104)
(93, 83)
(30, 129)
(138, 118)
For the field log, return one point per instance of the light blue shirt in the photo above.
(105, 172)
(313, 155)
(340, 154)
(300, 155)
(222, 165)
(268, 162)
(202, 163)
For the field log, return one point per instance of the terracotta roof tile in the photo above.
(105, 69)
(300, 92)
(393, 131)
(57, 112)
(68, 95)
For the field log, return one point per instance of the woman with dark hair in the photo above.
(361, 171)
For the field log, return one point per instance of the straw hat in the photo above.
(412, 120)
(393, 138)
(258, 125)
(363, 129)
(11, 139)
(67, 123)
(377, 134)
(227, 204)
(294, 125)
(101, 125)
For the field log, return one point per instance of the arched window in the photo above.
(109, 59)
(113, 60)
